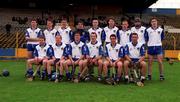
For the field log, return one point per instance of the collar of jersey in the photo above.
(114, 46)
(50, 29)
(43, 45)
(59, 44)
(111, 28)
(154, 29)
(95, 42)
(34, 29)
(125, 30)
(77, 42)
(95, 29)
(133, 44)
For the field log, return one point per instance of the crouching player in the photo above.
(42, 53)
(58, 55)
(94, 49)
(135, 54)
(77, 53)
(114, 55)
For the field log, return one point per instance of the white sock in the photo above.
(126, 77)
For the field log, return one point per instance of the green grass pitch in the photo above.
(16, 89)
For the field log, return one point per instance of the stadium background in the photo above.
(18, 13)
(16, 89)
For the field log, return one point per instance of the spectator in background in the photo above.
(8, 29)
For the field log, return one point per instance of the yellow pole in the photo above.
(17, 44)
(174, 42)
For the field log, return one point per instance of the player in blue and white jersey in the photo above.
(85, 38)
(95, 28)
(32, 35)
(77, 54)
(50, 33)
(95, 56)
(109, 30)
(59, 53)
(65, 31)
(135, 54)
(42, 53)
(140, 30)
(124, 33)
(154, 37)
(114, 55)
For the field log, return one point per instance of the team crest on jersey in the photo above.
(53, 33)
(83, 33)
(62, 48)
(99, 32)
(114, 31)
(141, 31)
(128, 34)
(79, 47)
(138, 48)
(44, 50)
(159, 32)
(66, 32)
(97, 47)
(116, 50)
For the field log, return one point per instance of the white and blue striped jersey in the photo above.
(43, 51)
(154, 37)
(135, 51)
(76, 50)
(98, 32)
(114, 53)
(94, 49)
(141, 33)
(58, 50)
(66, 35)
(50, 36)
(107, 32)
(30, 33)
(124, 37)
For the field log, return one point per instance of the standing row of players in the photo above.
(123, 47)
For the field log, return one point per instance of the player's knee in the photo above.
(80, 63)
(143, 63)
(119, 64)
(126, 63)
(99, 61)
(45, 61)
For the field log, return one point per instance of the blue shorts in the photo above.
(75, 59)
(134, 60)
(31, 47)
(155, 50)
(113, 60)
(56, 60)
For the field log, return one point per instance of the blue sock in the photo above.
(67, 75)
(30, 72)
(79, 75)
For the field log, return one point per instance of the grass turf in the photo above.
(16, 89)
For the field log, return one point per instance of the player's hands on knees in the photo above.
(36, 60)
